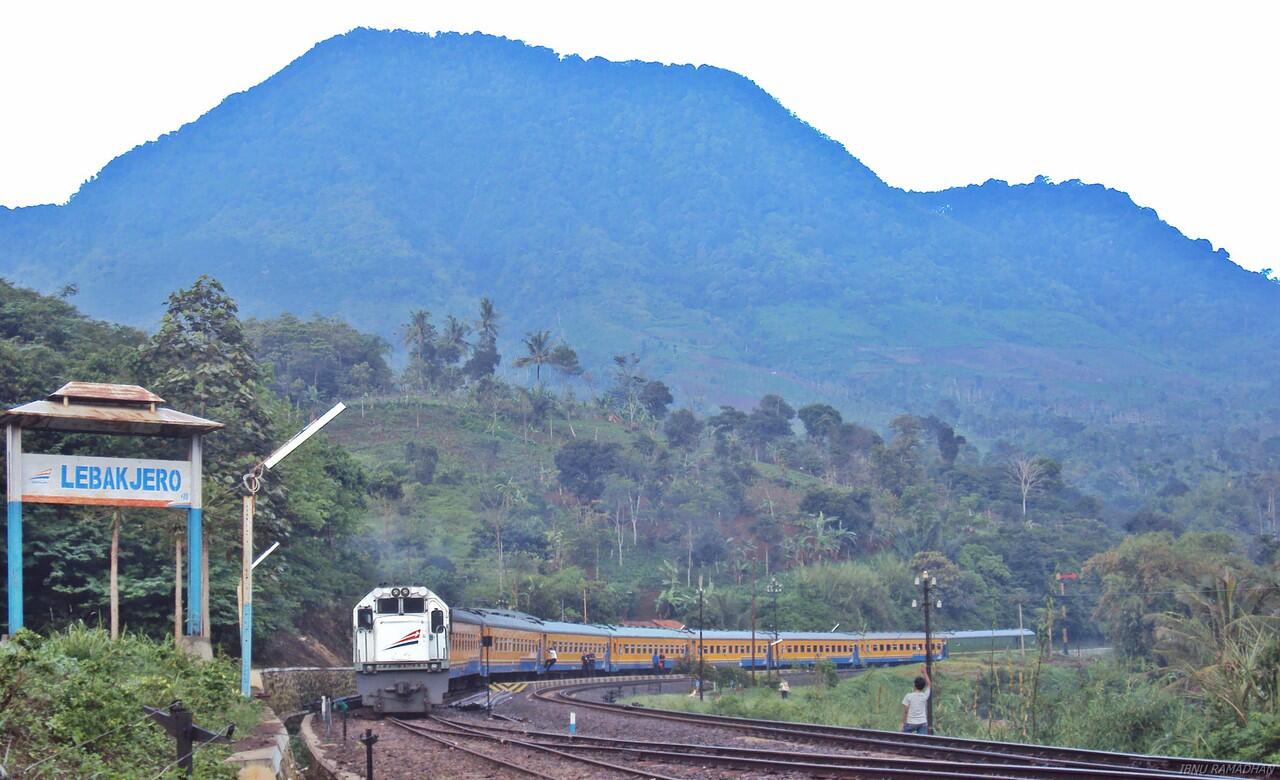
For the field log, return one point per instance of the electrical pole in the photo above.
(1022, 639)
(701, 654)
(753, 622)
(773, 589)
(1062, 591)
(926, 583)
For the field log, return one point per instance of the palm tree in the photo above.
(418, 335)
(488, 324)
(1225, 645)
(453, 340)
(539, 348)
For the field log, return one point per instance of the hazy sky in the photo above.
(1172, 102)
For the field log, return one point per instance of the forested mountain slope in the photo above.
(677, 212)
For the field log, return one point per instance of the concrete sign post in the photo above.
(121, 410)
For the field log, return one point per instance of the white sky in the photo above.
(1175, 103)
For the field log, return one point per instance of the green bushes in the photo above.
(1104, 706)
(57, 693)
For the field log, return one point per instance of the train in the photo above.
(410, 649)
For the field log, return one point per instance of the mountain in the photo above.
(678, 212)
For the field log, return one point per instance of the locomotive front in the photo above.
(401, 649)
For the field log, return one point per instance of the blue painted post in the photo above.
(13, 522)
(195, 544)
(195, 532)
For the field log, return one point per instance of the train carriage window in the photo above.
(414, 605)
(388, 606)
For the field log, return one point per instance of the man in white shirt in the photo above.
(915, 712)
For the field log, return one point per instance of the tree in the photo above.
(422, 459)
(847, 510)
(453, 344)
(948, 441)
(484, 356)
(1227, 642)
(1142, 578)
(360, 379)
(1028, 474)
(770, 420)
(682, 429)
(655, 396)
(419, 336)
(497, 504)
(820, 420)
(540, 351)
(583, 466)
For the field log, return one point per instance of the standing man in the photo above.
(915, 713)
(654, 662)
(551, 659)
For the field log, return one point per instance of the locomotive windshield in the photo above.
(388, 606)
(414, 605)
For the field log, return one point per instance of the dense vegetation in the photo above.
(71, 705)
(609, 499)
(1099, 705)
(692, 220)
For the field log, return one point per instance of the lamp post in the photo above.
(252, 482)
(701, 655)
(753, 623)
(926, 582)
(773, 589)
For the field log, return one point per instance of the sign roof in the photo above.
(95, 407)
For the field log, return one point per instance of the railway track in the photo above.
(807, 763)
(1005, 756)
(456, 730)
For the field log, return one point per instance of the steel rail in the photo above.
(478, 753)
(842, 764)
(921, 745)
(476, 734)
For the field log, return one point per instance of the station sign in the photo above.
(73, 479)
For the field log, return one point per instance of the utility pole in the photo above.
(1062, 591)
(773, 589)
(1022, 639)
(701, 655)
(753, 622)
(926, 583)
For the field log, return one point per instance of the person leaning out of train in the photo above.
(915, 705)
(551, 659)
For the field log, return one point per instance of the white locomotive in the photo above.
(401, 649)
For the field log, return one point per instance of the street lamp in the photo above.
(926, 582)
(773, 589)
(252, 482)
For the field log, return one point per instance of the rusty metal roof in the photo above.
(101, 392)
(106, 417)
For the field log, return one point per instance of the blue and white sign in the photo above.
(71, 479)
